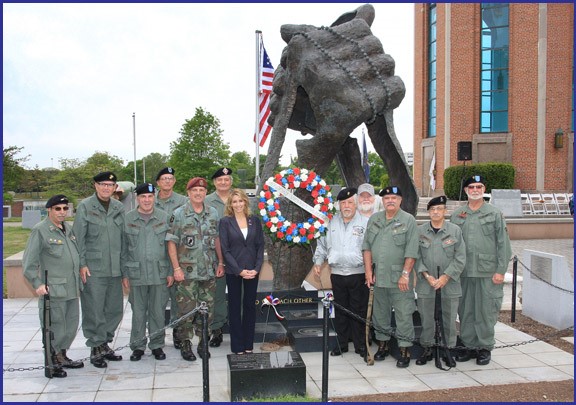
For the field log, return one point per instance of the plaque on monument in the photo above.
(509, 201)
(266, 375)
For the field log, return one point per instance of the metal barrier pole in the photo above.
(514, 280)
(325, 331)
(204, 348)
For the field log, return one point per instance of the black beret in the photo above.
(346, 193)
(105, 176)
(474, 179)
(145, 188)
(440, 200)
(166, 170)
(390, 190)
(223, 171)
(57, 199)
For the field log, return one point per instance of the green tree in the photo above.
(200, 149)
(103, 162)
(149, 166)
(13, 170)
(378, 172)
(243, 170)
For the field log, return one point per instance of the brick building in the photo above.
(497, 77)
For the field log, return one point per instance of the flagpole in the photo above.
(134, 131)
(257, 109)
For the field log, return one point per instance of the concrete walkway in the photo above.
(176, 380)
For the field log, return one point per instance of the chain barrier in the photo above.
(544, 281)
(200, 308)
(417, 343)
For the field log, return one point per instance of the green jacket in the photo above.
(195, 238)
(390, 243)
(99, 236)
(488, 248)
(171, 203)
(445, 249)
(216, 202)
(48, 248)
(144, 255)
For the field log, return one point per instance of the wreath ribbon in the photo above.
(269, 300)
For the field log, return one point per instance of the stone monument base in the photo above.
(266, 375)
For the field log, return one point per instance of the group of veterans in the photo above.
(405, 265)
(166, 250)
(184, 250)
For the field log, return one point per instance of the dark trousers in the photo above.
(351, 293)
(241, 312)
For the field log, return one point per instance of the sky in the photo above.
(74, 74)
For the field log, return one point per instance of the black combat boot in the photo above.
(404, 360)
(57, 370)
(66, 362)
(483, 357)
(425, 357)
(383, 351)
(186, 351)
(217, 338)
(109, 353)
(97, 357)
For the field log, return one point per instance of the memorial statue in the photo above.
(331, 80)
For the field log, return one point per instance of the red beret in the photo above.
(197, 182)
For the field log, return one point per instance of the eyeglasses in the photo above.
(478, 186)
(167, 178)
(434, 209)
(60, 208)
(106, 185)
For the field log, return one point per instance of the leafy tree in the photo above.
(149, 166)
(243, 170)
(200, 149)
(378, 172)
(13, 171)
(103, 162)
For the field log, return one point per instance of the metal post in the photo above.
(514, 280)
(325, 335)
(204, 348)
(134, 135)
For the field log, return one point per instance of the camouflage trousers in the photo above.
(189, 294)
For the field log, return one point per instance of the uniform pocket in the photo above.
(133, 270)
(57, 287)
(487, 263)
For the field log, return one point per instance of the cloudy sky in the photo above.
(73, 74)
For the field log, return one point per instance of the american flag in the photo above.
(266, 76)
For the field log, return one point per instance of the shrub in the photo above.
(497, 175)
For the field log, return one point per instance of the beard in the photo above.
(366, 207)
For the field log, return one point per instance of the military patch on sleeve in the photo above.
(190, 241)
(172, 218)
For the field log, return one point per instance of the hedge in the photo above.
(497, 175)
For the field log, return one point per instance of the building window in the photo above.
(432, 71)
(494, 69)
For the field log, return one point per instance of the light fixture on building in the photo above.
(559, 138)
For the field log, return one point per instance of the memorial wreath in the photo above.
(281, 229)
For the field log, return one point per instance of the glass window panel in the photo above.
(433, 70)
(487, 56)
(432, 51)
(432, 127)
(486, 99)
(486, 85)
(432, 87)
(500, 101)
(433, 33)
(485, 122)
(500, 122)
(486, 39)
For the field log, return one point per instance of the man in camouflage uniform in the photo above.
(222, 179)
(488, 252)
(391, 243)
(196, 257)
(146, 272)
(168, 200)
(98, 228)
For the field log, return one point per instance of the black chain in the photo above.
(544, 281)
(201, 307)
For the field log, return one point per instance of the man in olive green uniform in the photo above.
(391, 243)
(488, 252)
(52, 247)
(441, 261)
(146, 272)
(222, 179)
(196, 257)
(168, 200)
(98, 228)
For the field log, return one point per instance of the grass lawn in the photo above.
(13, 241)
